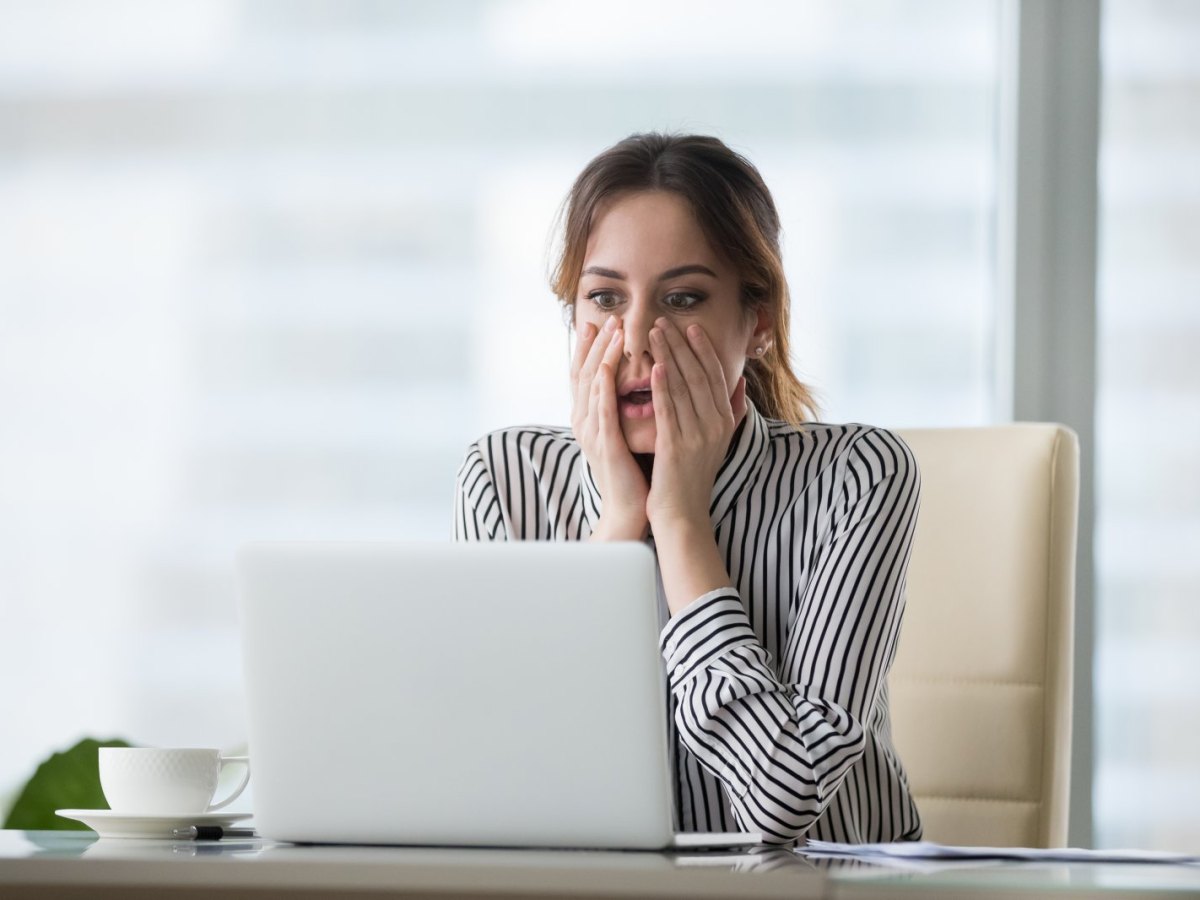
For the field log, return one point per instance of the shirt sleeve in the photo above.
(477, 512)
(782, 737)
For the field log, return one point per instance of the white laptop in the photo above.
(458, 694)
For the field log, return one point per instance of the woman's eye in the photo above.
(680, 300)
(603, 299)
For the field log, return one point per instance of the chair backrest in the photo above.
(981, 687)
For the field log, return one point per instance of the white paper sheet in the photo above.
(910, 850)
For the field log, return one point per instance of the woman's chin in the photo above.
(639, 435)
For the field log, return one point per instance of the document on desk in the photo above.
(925, 850)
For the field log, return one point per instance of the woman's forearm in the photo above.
(690, 563)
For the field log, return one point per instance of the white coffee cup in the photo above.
(144, 781)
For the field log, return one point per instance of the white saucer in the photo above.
(111, 824)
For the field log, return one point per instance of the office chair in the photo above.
(980, 689)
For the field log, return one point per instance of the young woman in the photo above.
(782, 543)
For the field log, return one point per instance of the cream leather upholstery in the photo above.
(981, 686)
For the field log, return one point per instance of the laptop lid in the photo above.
(460, 694)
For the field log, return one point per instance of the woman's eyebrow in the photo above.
(604, 273)
(691, 269)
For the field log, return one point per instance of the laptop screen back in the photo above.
(464, 694)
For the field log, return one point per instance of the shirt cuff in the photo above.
(707, 628)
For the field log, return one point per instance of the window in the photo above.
(266, 268)
(1148, 431)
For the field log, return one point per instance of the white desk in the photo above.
(67, 865)
(47, 864)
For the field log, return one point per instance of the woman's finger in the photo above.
(608, 419)
(587, 369)
(587, 335)
(666, 423)
(695, 378)
(605, 370)
(587, 339)
(706, 354)
(586, 378)
(683, 409)
(612, 352)
(585, 430)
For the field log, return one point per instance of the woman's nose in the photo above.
(637, 327)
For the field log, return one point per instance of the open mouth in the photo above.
(637, 400)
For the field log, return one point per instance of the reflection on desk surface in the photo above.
(788, 874)
(86, 845)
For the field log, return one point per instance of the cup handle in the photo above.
(226, 760)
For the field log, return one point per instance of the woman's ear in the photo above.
(763, 334)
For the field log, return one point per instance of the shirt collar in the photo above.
(742, 460)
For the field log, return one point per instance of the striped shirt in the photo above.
(779, 714)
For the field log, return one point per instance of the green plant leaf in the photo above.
(67, 780)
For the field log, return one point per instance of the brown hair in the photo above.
(735, 211)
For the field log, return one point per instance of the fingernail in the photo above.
(655, 334)
(610, 323)
(616, 338)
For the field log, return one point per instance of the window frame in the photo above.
(1046, 277)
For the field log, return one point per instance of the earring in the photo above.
(759, 350)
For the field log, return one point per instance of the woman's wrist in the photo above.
(680, 521)
(618, 527)
(690, 562)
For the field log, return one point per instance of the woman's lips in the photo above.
(636, 405)
(635, 401)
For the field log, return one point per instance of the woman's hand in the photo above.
(596, 422)
(694, 418)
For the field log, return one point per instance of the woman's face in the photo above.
(646, 259)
